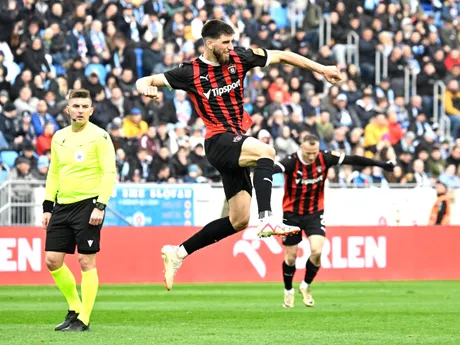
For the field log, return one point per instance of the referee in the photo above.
(79, 184)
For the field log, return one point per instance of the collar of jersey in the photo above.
(206, 61)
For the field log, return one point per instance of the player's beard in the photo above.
(221, 57)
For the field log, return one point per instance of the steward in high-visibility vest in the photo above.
(440, 212)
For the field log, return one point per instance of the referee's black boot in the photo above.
(70, 317)
(76, 326)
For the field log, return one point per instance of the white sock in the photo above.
(181, 252)
(289, 292)
(303, 285)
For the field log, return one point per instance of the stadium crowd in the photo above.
(50, 47)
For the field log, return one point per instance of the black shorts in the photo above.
(69, 227)
(223, 152)
(312, 224)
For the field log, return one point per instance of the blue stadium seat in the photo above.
(3, 175)
(279, 15)
(8, 158)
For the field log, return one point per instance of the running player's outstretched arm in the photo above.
(106, 157)
(331, 73)
(337, 158)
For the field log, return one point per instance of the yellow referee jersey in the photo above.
(82, 165)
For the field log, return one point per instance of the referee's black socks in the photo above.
(263, 182)
(212, 232)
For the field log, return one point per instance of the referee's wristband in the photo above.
(48, 206)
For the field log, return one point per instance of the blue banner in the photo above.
(143, 205)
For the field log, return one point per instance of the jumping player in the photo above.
(214, 83)
(303, 205)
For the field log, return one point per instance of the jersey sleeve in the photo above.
(52, 182)
(333, 158)
(179, 78)
(106, 157)
(287, 164)
(253, 57)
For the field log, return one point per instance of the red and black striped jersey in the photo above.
(304, 183)
(217, 91)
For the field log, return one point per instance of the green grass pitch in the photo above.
(345, 313)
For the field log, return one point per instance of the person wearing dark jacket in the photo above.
(79, 42)
(34, 58)
(8, 15)
(104, 111)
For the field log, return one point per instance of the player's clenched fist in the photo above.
(149, 91)
(332, 74)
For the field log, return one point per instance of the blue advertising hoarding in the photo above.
(144, 205)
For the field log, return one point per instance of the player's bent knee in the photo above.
(290, 260)
(240, 223)
(53, 261)
(87, 262)
(315, 256)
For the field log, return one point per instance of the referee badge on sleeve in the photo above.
(79, 156)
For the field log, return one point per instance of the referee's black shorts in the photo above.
(312, 224)
(69, 227)
(223, 151)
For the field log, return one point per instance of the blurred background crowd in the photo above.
(50, 47)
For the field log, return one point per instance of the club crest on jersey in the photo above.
(237, 138)
(319, 170)
(79, 156)
(232, 68)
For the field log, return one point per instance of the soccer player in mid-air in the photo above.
(303, 205)
(214, 83)
(78, 187)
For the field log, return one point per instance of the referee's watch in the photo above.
(100, 206)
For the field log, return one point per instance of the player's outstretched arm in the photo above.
(366, 162)
(331, 73)
(148, 86)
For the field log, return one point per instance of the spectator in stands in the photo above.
(21, 192)
(343, 115)
(452, 106)
(141, 164)
(454, 157)
(44, 140)
(285, 144)
(133, 125)
(177, 110)
(374, 133)
(41, 171)
(104, 110)
(26, 102)
(421, 127)
(449, 177)
(79, 42)
(122, 103)
(425, 83)
(395, 131)
(179, 164)
(10, 125)
(162, 159)
(406, 144)
(34, 57)
(367, 47)
(93, 84)
(28, 152)
(41, 118)
(149, 141)
(419, 176)
(340, 142)
(122, 57)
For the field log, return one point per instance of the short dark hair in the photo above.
(311, 139)
(215, 28)
(79, 94)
